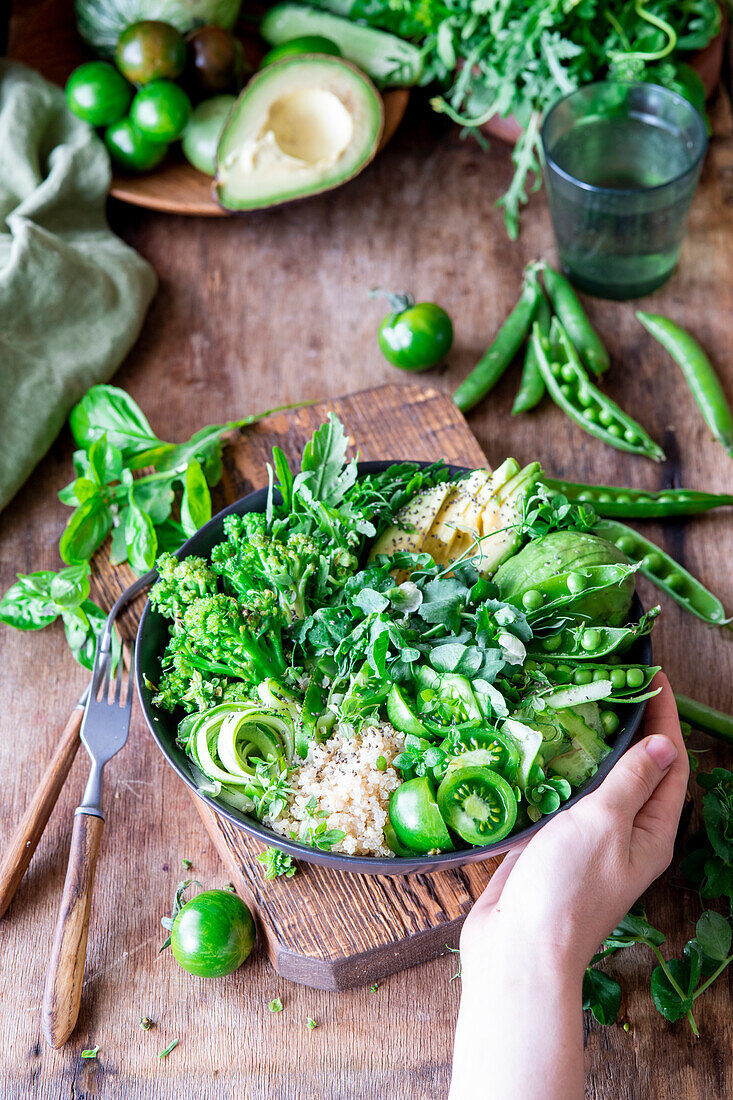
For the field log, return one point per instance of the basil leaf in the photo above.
(601, 996)
(713, 933)
(196, 502)
(118, 545)
(109, 410)
(105, 461)
(155, 498)
(83, 626)
(86, 530)
(70, 587)
(27, 605)
(142, 542)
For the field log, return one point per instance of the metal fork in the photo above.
(104, 731)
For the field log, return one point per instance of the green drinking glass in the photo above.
(621, 161)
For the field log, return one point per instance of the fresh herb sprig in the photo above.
(677, 983)
(145, 513)
(277, 864)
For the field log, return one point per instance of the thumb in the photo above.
(636, 776)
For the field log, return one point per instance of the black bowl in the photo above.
(152, 637)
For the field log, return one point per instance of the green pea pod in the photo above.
(588, 643)
(562, 590)
(713, 722)
(619, 502)
(570, 387)
(576, 323)
(627, 681)
(532, 387)
(507, 343)
(699, 374)
(660, 568)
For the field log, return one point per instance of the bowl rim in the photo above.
(339, 861)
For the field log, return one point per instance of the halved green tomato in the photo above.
(395, 845)
(416, 819)
(478, 804)
(497, 751)
(401, 713)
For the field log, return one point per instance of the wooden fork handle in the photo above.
(65, 977)
(24, 841)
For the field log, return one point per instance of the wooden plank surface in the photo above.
(270, 308)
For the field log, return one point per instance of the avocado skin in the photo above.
(563, 552)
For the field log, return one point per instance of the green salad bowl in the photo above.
(152, 638)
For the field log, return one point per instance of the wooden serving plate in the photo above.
(51, 45)
(323, 928)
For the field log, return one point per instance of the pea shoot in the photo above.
(92, 1052)
(171, 1046)
(275, 1005)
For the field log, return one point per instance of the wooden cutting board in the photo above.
(330, 929)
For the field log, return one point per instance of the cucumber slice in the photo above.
(401, 714)
(388, 60)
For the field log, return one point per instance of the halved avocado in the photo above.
(302, 125)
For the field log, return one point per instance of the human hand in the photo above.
(530, 936)
(579, 875)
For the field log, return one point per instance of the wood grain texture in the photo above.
(51, 45)
(251, 313)
(62, 996)
(19, 851)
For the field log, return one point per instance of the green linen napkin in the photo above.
(72, 295)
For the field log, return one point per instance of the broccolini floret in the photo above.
(179, 584)
(250, 560)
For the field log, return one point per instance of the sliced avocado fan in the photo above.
(303, 125)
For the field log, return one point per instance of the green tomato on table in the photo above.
(413, 336)
(131, 149)
(201, 136)
(212, 934)
(295, 47)
(96, 92)
(150, 50)
(161, 111)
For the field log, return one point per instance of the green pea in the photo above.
(614, 430)
(635, 677)
(567, 372)
(563, 672)
(618, 678)
(585, 397)
(677, 582)
(600, 674)
(623, 498)
(605, 416)
(532, 599)
(566, 391)
(609, 721)
(530, 666)
(590, 639)
(651, 562)
(552, 643)
(586, 498)
(630, 436)
(576, 583)
(583, 676)
(626, 545)
(591, 414)
(603, 498)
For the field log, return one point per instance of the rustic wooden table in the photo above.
(273, 307)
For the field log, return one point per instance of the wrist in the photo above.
(503, 954)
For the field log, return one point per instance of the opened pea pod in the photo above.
(583, 642)
(660, 568)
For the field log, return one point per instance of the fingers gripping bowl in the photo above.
(338, 804)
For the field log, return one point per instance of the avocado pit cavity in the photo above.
(308, 128)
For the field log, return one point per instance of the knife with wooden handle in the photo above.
(24, 841)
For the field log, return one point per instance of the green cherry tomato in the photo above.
(394, 845)
(150, 50)
(307, 43)
(213, 934)
(131, 149)
(201, 136)
(161, 111)
(416, 819)
(97, 93)
(414, 337)
(498, 752)
(478, 804)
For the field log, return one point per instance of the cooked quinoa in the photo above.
(342, 775)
